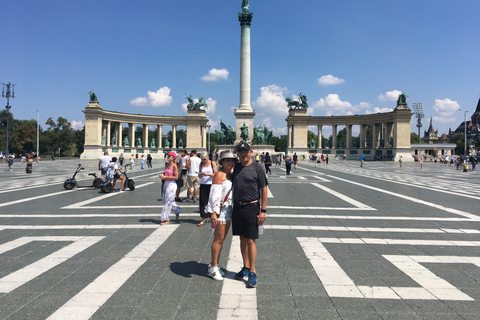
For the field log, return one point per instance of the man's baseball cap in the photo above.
(243, 146)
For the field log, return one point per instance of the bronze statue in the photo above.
(152, 144)
(125, 142)
(114, 140)
(402, 99)
(301, 104)
(139, 142)
(167, 143)
(104, 140)
(220, 137)
(93, 96)
(196, 106)
(229, 134)
(180, 143)
(244, 132)
(245, 5)
(312, 144)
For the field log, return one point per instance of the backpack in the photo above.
(110, 172)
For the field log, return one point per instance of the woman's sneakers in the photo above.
(215, 273)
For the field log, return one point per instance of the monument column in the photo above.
(145, 135)
(349, 136)
(131, 134)
(159, 136)
(319, 137)
(334, 136)
(376, 132)
(118, 137)
(245, 113)
(109, 128)
(174, 137)
(362, 136)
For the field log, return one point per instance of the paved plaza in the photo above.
(340, 242)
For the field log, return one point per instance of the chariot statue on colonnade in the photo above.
(301, 104)
(196, 106)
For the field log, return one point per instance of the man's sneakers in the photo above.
(252, 280)
(241, 274)
(215, 273)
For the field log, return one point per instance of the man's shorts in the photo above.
(245, 221)
(179, 181)
(192, 181)
(103, 170)
(295, 162)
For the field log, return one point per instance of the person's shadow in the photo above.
(189, 268)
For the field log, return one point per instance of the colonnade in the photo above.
(100, 123)
(395, 124)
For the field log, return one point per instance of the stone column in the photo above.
(334, 136)
(362, 136)
(174, 137)
(109, 128)
(245, 113)
(118, 136)
(375, 133)
(131, 134)
(388, 134)
(289, 137)
(348, 142)
(204, 135)
(104, 132)
(319, 137)
(159, 136)
(145, 135)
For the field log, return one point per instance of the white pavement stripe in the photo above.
(272, 227)
(343, 197)
(301, 178)
(322, 179)
(338, 284)
(430, 204)
(236, 301)
(35, 198)
(270, 195)
(22, 276)
(91, 298)
(102, 197)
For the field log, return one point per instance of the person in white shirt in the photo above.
(193, 166)
(103, 163)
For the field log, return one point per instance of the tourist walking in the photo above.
(288, 164)
(149, 161)
(132, 161)
(268, 163)
(143, 162)
(279, 161)
(400, 161)
(121, 159)
(249, 209)
(193, 166)
(208, 168)
(103, 163)
(169, 190)
(295, 160)
(362, 159)
(220, 206)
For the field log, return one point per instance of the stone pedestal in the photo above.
(244, 116)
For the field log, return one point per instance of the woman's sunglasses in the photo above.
(229, 160)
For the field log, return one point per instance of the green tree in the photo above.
(342, 138)
(59, 135)
(310, 136)
(280, 143)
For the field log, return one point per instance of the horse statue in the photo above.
(229, 134)
(190, 105)
(93, 96)
(267, 135)
(201, 103)
(301, 104)
(259, 135)
(402, 99)
(244, 132)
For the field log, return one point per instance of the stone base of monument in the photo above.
(256, 149)
(95, 152)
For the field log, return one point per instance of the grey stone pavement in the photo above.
(341, 242)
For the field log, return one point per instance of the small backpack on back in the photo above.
(110, 172)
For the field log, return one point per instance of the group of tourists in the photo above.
(232, 192)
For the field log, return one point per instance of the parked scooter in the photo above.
(107, 186)
(71, 183)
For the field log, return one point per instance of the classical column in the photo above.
(145, 135)
(204, 135)
(376, 133)
(388, 134)
(104, 131)
(159, 136)
(289, 137)
(349, 136)
(319, 146)
(131, 134)
(245, 113)
(109, 128)
(334, 136)
(118, 136)
(174, 137)
(362, 136)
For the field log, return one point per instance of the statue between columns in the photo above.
(113, 140)
(126, 142)
(152, 144)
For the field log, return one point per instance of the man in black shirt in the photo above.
(249, 209)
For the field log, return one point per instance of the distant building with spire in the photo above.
(431, 136)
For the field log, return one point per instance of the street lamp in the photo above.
(208, 126)
(465, 127)
(418, 108)
(8, 95)
(38, 129)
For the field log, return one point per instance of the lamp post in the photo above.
(418, 108)
(8, 95)
(208, 127)
(38, 130)
(465, 127)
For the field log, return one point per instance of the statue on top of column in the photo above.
(301, 104)
(196, 106)
(245, 5)
(93, 96)
(402, 99)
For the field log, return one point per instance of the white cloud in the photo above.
(160, 98)
(276, 131)
(216, 75)
(215, 124)
(379, 110)
(77, 125)
(210, 103)
(390, 95)
(445, 109)
(332, 105)
(272, 101)
(329, 80)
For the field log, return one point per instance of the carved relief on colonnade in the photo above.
(103, 132)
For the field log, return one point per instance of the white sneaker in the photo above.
(219, 269)
(215, 273)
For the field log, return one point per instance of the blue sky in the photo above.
(347, 57)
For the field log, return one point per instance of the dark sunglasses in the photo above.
(229, 160)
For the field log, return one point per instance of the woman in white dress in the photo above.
(169, 190)
(220, 206)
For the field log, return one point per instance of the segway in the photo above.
(71, 183)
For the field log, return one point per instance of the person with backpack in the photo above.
(103, 163)
(114, 174)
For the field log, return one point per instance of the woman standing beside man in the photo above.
(169, 190)
(220, 206)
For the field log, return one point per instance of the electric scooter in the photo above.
(107, 186)
(71, 183)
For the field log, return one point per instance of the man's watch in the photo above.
(263, 210)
